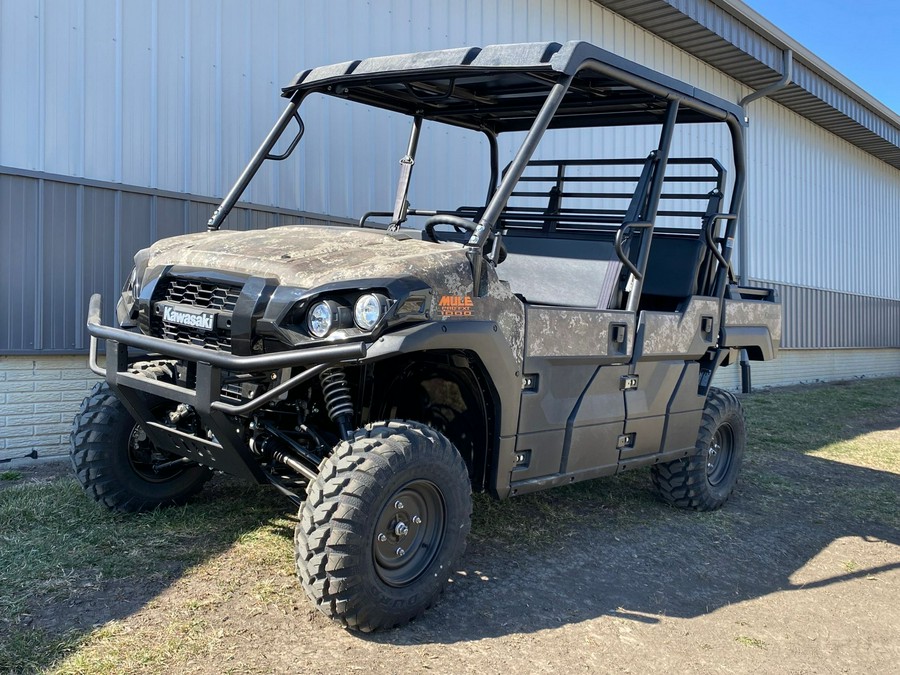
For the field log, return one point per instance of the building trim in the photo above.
(731, 37)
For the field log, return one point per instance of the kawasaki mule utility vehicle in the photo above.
(565, 327)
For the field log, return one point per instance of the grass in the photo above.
(11, 475)
(61, 554)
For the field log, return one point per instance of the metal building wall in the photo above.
(174, 95)
(822, 213)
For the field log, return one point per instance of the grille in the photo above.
(199, 294)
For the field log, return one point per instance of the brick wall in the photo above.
(38, 398)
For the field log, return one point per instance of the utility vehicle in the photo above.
(566, 327)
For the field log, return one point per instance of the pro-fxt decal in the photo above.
(451, 306)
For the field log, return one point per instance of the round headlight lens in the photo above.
(320, 319)
(367, 311)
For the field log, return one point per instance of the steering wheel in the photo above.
(460, 225)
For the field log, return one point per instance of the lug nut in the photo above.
(381, 536)
(400, 552)
(417, 520)
(398, 505)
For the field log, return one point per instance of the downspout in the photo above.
(787, 71)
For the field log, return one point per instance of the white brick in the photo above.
(60, 362)
(20, 409)
(33, 375)
(36, 420)
(33, 442)
(74, 396)
(18, 432)
(69, 385)
(64, 407)
(55, 429)
(18, 386)
(33, 396)
(77, 374)
(16, 363)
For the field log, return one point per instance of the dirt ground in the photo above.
(803, 589)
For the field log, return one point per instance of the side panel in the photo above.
(678, 335)
(646, 406)
(753, 323)
(663, 411)
(572, 407)
(597, 424)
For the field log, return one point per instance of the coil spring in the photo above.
(338, 401)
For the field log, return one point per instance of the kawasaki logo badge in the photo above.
(201, 320)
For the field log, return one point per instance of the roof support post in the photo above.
(262, 154)
(491, 216)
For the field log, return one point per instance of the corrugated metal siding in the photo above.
(62, 240)
(818, 319)
(821, 213)
(175, 96)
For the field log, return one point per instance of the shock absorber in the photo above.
(338, 401)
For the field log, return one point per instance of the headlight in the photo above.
(320, 319)
(367, 311)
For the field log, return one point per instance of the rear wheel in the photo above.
(705, 480)
(383, 525)
(117, 464)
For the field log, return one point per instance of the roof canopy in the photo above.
(502, 87)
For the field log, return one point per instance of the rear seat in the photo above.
(562, 272)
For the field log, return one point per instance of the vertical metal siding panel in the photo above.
(99, 137)
(99, 250)
(234, 71)
(20, 78)
(135, 230)
(822, 212)
(63, 87)
(137, 112)
(202, 103)
(171, 101)
(19, 213)
(59, 264)
(198, 215)
(267, 105)
(170, 220)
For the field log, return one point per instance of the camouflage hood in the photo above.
(306, 256)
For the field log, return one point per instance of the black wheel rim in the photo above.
(719, 455)
(409, 532)
(148, 462)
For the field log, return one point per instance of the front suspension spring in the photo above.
(338, 401)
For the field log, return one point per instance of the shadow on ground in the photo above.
(682, 565)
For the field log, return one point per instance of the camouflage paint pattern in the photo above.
(678, 334)
(308, 256)
(555, 332)
(754, 313)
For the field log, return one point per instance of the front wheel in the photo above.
(118, 465)
(705, 480)
(383, 525)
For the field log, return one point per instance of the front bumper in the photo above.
(224, 448)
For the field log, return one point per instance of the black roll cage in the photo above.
(403, 85)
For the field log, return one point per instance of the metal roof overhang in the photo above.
(730, 36)
(502, 87)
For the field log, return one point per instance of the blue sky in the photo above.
(859, 38)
